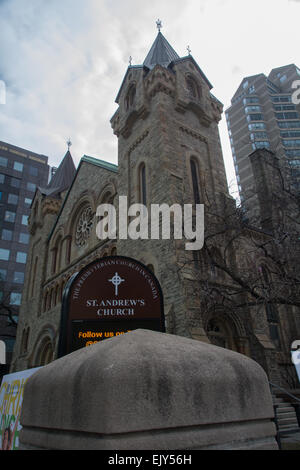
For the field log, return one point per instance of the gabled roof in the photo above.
(161, 53)
(62, 178)
(93, 161)
(96, 161)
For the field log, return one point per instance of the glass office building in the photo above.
(263, 114)
(21, 171)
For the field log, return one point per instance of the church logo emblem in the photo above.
(116, 281)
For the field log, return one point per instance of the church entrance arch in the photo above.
(223, 329)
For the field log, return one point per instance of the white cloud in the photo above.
(63, 61)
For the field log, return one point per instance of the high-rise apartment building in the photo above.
(21, 171)
(263, 114)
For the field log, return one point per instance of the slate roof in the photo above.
(161, 53)
(62, 178)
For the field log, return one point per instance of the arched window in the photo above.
(34, 276)
(271, 311)
(193, 87)
(24, 343)
(46, 353)
(195, 181)
(68, 249)
(130, 97)
(56, 256)
(54, 260)
(221, 332)
(143, 184)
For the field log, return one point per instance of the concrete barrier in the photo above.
(148, 390)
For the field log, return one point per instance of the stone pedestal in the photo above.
(148, 390)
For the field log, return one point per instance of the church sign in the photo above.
(109, 297)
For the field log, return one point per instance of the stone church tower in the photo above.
(169, 152)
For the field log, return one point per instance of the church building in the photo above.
(169, 152)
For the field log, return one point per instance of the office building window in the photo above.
(28, 201)
(291, 143)
(256, 126)
(24, 238)
(285, 134)
(18, 166)
(289, 125)
(12, 199)
(19, 277)
(252, 109)
(261, 145)
(31, 187)
(251, 100)
(7, 235)
(9, 216)
(15, 182)
(287, 115)
(284, 107)
(4, 254)
(2, 178)
(281, 99)
(292, 153)
(21, 257)
(3, 274)
(3, 161)
(24, 219)
(33, 171)
(259, 136)
(255, 117)
(15, 298)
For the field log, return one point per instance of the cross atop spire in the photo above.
(159, 25)
(69, 144)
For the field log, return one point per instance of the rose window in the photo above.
(84, 226)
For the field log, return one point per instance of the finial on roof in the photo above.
(159, 25)
(69, 144)
(189, 50)
(130, 60)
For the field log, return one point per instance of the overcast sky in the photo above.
(63, 61)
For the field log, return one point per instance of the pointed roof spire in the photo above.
(63, 177)
(161, 52)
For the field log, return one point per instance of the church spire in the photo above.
(161, 52)
(62, 178)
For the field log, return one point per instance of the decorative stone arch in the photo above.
(107, 194)
(55, 248)
(193, 86)
(44, 348)
(130, 96)
(224, 328)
